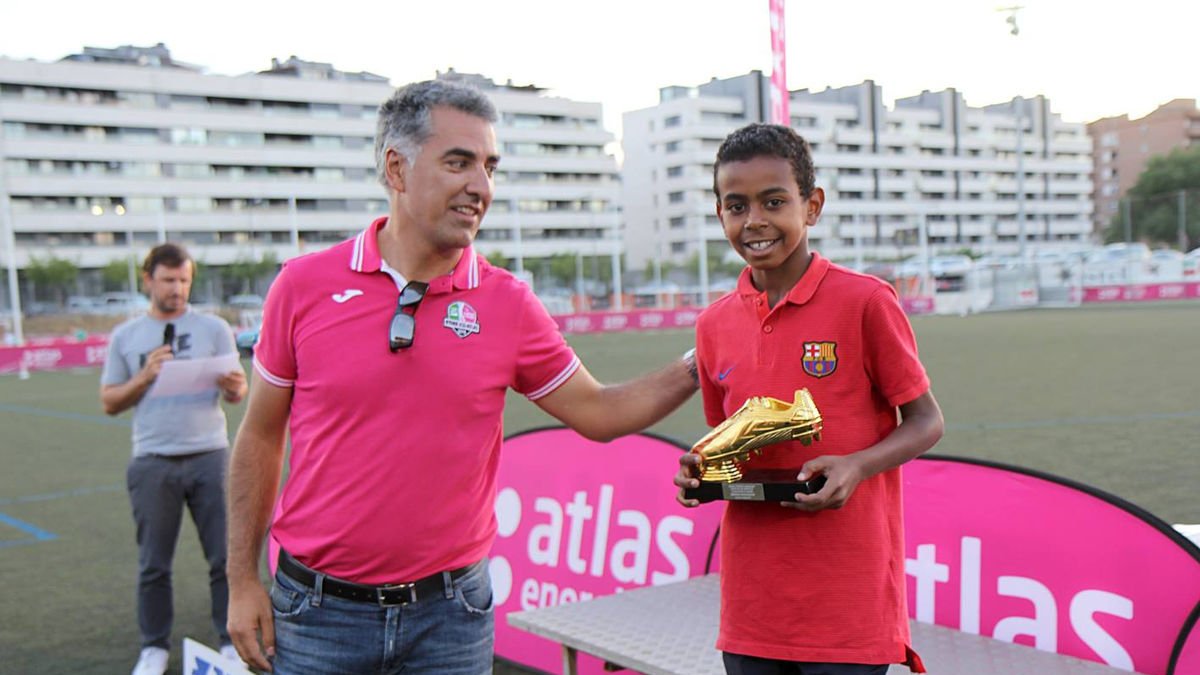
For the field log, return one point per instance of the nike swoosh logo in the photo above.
(721, 375)
(346, 295)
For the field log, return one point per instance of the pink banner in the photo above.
(917, 305)
(1041, 562)
(54, 353)
(780, 105)
(1186, 658)
(579, 519)
(1142, 292)
(642, 319)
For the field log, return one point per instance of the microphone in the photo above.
(169, 336)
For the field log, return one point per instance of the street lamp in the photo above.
(1019, 104)
(119, 209)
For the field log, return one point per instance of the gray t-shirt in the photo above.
(171, 425)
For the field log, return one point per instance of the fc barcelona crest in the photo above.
(820, 358)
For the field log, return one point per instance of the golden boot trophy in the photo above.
(761, 421)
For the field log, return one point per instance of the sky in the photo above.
(1092, 59)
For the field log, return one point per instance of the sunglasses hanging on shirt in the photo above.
(404, 321)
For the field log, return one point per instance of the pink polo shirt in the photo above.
(392, 475)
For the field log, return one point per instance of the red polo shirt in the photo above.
(826, 586)
(392, 475)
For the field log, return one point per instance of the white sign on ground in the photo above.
(199, 659)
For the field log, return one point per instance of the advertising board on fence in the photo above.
(54, 354)
(1142, 292)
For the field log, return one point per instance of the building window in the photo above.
(674, 171)
(672, 121)
(673, 146)
(675, 197)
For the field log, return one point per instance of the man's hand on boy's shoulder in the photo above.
(842, 474)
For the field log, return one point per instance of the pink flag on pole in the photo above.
(780, 114)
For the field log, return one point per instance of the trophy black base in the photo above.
(757, 485)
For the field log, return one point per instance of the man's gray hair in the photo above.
(405, 119)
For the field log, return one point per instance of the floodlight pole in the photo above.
(10, 238)
(702, 262)
(1019, 105)
(1020, 102)
(1183, 238)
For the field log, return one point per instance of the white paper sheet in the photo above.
(192, 376)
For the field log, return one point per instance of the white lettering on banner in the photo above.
(1084, 608)
(1171, 291)
(927, 572)
(968, 597)
(40, 358)
(547, 594)
(670, 550)
(579, 511)
(615, 321)
(638, 549)
(544, 539)
(606, 492)
(628, 558)
(578, 324)
(650, 320)
(95, 354)
(685, 318)
(1042, 626)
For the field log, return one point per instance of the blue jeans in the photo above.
(319, 634)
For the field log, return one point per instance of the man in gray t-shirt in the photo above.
(180, 444)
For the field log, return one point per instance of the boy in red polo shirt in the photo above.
(814, 587)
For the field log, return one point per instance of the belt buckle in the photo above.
(384, 594)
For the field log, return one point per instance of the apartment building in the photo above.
(1122, 147)
(929, 159)
(108, 151)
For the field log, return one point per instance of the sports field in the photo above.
(1105, 395)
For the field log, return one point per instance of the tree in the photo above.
(52, 273)
(1154, 201)
(717, 264)
(248, 271)
(115, 275)
(498, 259)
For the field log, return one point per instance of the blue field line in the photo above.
(57, 414)
(37, 533)
(78, 492)
(1072, 421)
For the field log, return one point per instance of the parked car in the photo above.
(245, 301)
(123, 303)
(82, 304)
(1191, 264)
(245, 339)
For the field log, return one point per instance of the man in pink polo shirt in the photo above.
(387, 358)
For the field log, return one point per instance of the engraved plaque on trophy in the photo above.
(726, 466)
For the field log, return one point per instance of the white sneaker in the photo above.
(229, 653)
(152, 661)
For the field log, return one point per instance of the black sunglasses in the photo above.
(404, 321)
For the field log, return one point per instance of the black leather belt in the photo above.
(388, 595)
